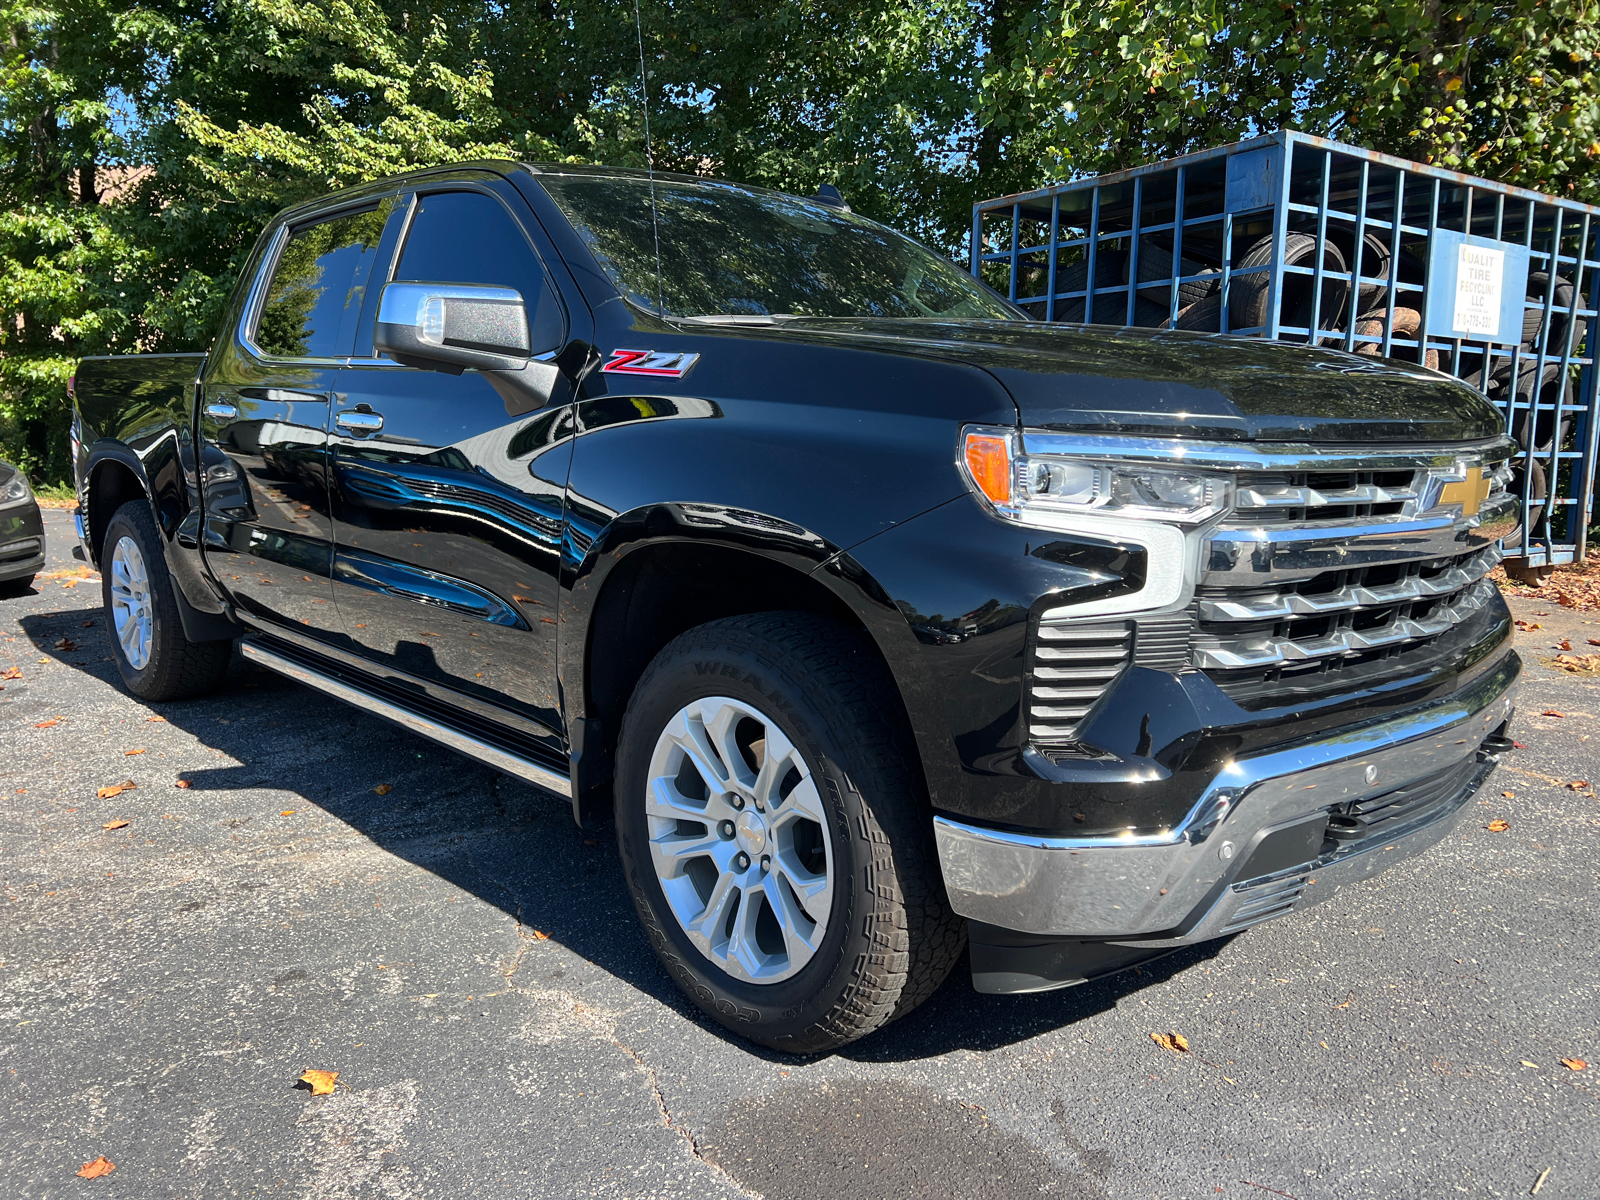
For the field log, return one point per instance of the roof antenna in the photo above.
(649, 156)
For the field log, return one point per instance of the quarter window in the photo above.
(314, 299)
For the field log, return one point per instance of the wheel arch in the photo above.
(113, 480)
(635, 594)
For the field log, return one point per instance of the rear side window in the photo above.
(469, 237)
(314, 298)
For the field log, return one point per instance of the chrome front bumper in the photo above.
(1187, 884)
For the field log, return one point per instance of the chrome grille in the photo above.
(1295, 497)
(1341, 613)
(1072, 665)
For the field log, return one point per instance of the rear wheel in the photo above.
(155, 658)
(776, 843)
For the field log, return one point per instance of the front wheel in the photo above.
(154, 656)
(774, 834)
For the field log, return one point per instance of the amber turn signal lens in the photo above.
(989, 463)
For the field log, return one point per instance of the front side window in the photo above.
(469, 238)
(727, 250)
(318, 284)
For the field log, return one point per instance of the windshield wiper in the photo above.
(738, 318)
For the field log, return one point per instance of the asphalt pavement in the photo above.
(333, 893)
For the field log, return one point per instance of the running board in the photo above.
(463, 743)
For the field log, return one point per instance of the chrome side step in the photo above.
(463, 743)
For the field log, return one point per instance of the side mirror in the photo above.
(452, 328)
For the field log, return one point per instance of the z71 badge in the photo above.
(662, 363)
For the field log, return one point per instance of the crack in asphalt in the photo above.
(589, 1017)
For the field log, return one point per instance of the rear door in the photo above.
(447, 498)
(264, 418)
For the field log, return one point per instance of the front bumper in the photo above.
(1256, 845)
(22, 546)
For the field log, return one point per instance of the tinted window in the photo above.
(726, 249)
(468, 237)
(314, 299)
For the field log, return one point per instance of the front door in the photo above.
(264, 418)
(447, 498)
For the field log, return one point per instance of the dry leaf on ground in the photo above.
(1550, 712)
(1573, 1064)
(1575, 664)
(1498, 825)
(320, 1082)
(288, 812)
(540, 935)
(1509, 795)
(1577, 785)
(117, 824)
(383, 789)
(1528, 626)
(11, 673)
(1526, 1063)
(183, 783)
(100, 1166)
(1175, 1042)
(130, 753)
(127, 785)
(147, 719)
(46, 724)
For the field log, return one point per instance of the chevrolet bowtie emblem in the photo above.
(1470, 492)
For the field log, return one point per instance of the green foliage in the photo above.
(144, 145)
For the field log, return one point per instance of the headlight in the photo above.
(1044, 488)
(16, 491)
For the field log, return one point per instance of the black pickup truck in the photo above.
(879, 618)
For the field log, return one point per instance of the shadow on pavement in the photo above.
(508, 843)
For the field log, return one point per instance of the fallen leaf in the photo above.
(1519, 745)
(540, 935)
(131, 753)
(1550, 712)
(119, 824)
(69, 644)
(321, 1081)
(46, 724)
(100, 1166)
(383, 789)
(183, 783)
(1528, 626)
(288, 812)
(155, 719)
(88, 624)
(11, 673)
(1498, 825)
(1534, 1065)
(1577, 785)
(1573, 1064)
(1509, 795)
(127, 785)
(1564, 644)
(1594, 641)
(1175, 1042)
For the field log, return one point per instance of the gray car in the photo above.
(21, 532)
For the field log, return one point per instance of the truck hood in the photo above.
(1101, 379)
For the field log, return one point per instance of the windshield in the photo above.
(746, 252)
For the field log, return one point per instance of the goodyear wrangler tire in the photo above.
(774, 834)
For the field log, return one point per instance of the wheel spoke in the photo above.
(742, 948)
(689, 735)
(800, 932)
(707, 927)
(814, 891)
(720, 730)
(775, 764)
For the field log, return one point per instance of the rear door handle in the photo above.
(221, 412)
(359, 422)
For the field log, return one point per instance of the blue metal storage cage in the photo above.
(1298, 238)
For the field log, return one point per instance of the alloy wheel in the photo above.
(739, 841)
(131, 603)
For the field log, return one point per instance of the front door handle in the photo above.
(221, 412)
(359, 422)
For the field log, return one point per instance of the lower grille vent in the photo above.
(1072, 666)
(1271, 900)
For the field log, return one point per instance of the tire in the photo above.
(885, 939)
(170, 666)
(1108, 268)
(1249, 295)
(1155, 268)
